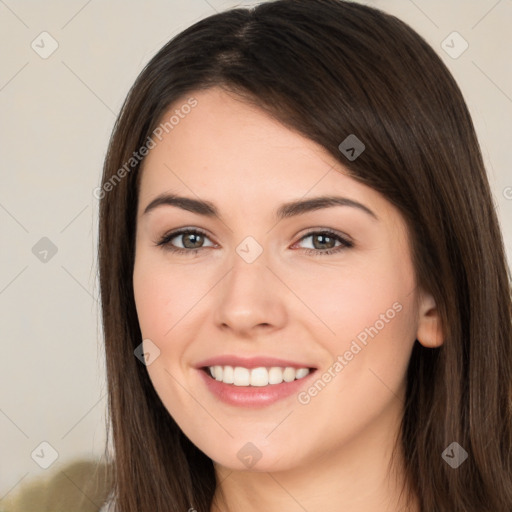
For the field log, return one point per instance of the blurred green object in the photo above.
(79, 486)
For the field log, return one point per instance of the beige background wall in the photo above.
(56, 116)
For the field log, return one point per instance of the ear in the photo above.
(430, 331)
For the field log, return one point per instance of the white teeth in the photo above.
(217, 372)
(258, 377)
(241, 376)
(228, 376)
(275, 375)
(301, 372)
(289, 374)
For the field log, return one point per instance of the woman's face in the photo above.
(259, 286)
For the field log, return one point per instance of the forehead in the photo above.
(233, 152)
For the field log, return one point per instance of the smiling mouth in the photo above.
(256, 377)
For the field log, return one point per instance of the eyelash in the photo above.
(164, 242)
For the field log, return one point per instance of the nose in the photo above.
(250, 300)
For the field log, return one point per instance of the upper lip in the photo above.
(250, 362)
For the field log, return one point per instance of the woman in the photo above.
(306, 304)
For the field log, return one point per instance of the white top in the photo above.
(108, 506)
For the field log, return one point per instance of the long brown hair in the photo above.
(328, 69)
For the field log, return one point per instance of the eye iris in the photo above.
(323, 237)
(198, 240)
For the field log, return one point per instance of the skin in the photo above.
(334, 452)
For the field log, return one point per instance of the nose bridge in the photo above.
(249, 292)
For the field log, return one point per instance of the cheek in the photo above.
(163, 296)
(350, 300)
(162, 300)
(369, 311)
(150, 300)
(369, 356)
(380, 327)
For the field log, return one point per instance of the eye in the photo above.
(191, 241)
(324, 242)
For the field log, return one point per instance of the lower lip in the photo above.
(253, 396)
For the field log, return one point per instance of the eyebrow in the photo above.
(286, 210)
